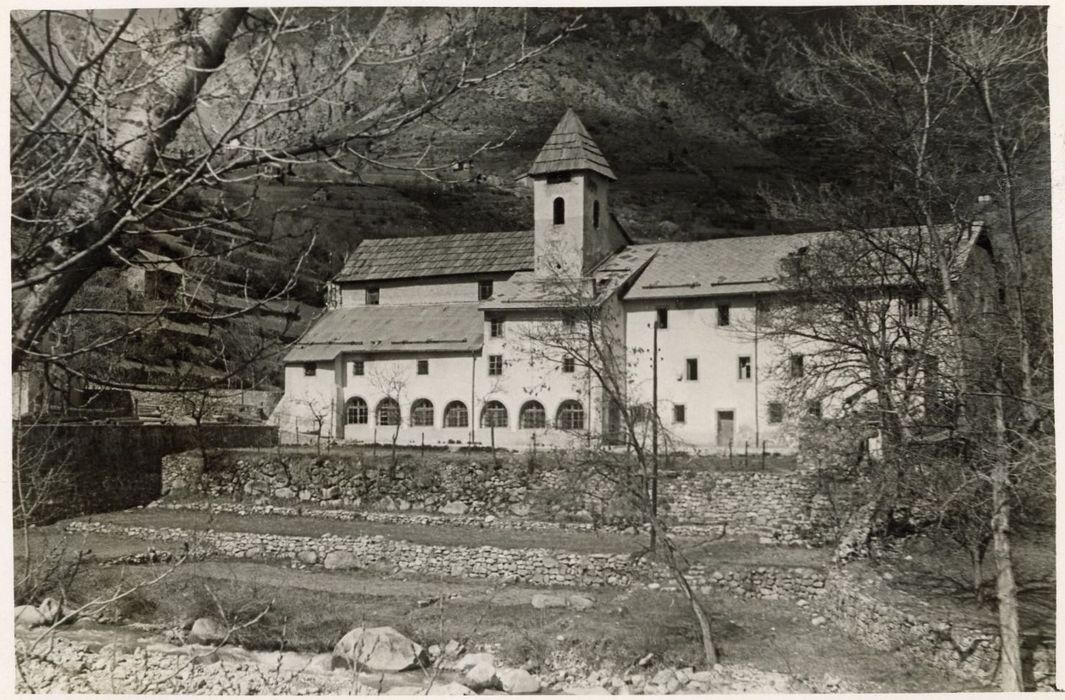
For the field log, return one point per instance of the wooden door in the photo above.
(725, 422)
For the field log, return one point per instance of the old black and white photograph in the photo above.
(583, 350)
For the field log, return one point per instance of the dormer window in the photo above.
(559, 208)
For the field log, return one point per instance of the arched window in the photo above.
(532, 416)
(595, 214)
(570, 416)
(559, 210)
(356, 412)
(421, 413)
(388, 411)
(455, 415)
(494, 415)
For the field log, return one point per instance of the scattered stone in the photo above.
(818, 621)
(520, 509)
(470, 660)
(663, 677)
(543, 600)
(579, 602)
(308, 557)
(654, 586)
(455, 508)
(284, 492)
(207, 630)
(517, 681)
(453, 648)
(330, 493)
(50, 609)
(379, 649)
(645, 660)
(340, 559)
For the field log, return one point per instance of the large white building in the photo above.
(469, 338)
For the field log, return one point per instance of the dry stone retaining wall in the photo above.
(778, 508)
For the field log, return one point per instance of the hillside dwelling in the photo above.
(153, 277)
(476, 338)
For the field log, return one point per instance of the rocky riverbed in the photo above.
(90, 658)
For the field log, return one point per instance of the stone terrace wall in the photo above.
(778, 508)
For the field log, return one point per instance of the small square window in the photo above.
(678, 413)
(691, 372)
(796, 366)
(358, 368)
(663, 318)
(776, 412)
(723, 314)
(373, 296)
(310, 369)
(813, 408)
(495, 365)
(496, 328)
(423, 366)
(569, 364)
(484, 289)
(745, 367)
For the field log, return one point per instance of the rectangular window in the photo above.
(663, 318)
(909, 308)
(496, 326)
(484, 289)
(691, 372)
(358, 368)
(776, 412)
(745, 367)
(495, 365)
(813, 408)
(568, 323)
(678, 413)
(568, 364)
(310, 369)
(423, 366)
(796, 366)
(723, 315)
(373, 296)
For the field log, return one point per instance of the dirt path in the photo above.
(366, 583)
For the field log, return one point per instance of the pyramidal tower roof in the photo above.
(570, 147)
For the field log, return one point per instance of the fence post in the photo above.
(423, 444)
(374, 448)
(746, 444)
(763, 455)
(730, 452)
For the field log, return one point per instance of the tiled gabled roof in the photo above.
(570, 147)
(526, 291)
(729, 266)
(429, 256)
(368, 330)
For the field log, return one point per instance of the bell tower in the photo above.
(571, 188)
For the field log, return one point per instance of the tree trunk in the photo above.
(96, 215)
(1010, 673)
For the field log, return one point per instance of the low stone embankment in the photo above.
(413, 518)
(777, 508)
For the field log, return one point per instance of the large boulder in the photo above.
(518, 681)
(481, 676)
(207, 630)
(379, 649)
(28, 616)
(340, 559)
